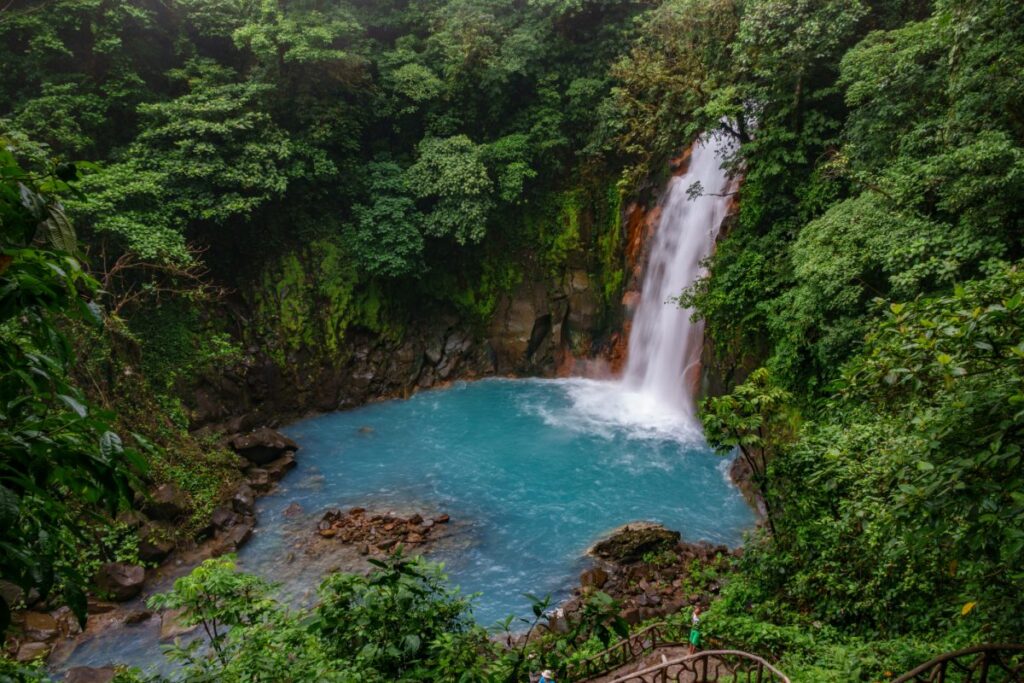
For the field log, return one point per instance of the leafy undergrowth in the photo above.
(137, 381)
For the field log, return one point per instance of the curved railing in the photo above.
(625, 651)
(979, 664)
(709, 666)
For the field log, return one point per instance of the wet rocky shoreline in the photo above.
(651, 571)
(264, 457)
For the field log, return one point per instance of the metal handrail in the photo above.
(708, 666)
(985, 659)
(626, 650)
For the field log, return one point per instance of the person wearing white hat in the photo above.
(546, 676)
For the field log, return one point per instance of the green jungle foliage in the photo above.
(354, 164)
(62, 466)
(409, 135)
(874, 273)
(399, 623)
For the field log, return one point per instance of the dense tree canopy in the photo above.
(347, 164)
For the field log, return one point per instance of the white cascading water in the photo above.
(655, 396)
(664, 343)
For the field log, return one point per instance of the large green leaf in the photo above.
(56, 232)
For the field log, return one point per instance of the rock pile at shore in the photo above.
(36, 632)
(378, 533)
(652, 572)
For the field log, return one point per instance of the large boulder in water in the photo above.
(120, 581)
(631, 542)
(262, 445)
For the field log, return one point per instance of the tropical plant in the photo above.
(757, 420)
(62, 467)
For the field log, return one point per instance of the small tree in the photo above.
(252, 637)
(755, 419)
(394, 620)
(218, 598)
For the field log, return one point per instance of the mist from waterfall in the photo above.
(664, 343)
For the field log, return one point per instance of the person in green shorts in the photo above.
(695, 630)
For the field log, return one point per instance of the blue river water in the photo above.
(531, 472)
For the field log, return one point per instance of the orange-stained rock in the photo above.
(681, 163)
(619, 348)
(636, 218)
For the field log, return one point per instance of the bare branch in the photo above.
(131, 280)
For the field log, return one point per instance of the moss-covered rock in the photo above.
(631, 542)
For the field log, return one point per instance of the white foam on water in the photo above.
(723, 468)
(607, 408)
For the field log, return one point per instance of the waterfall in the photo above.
(655, 396)
(664, 344)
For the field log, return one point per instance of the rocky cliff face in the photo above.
(539, 325)
(534, 327)
(261, 390)
(314, 343)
